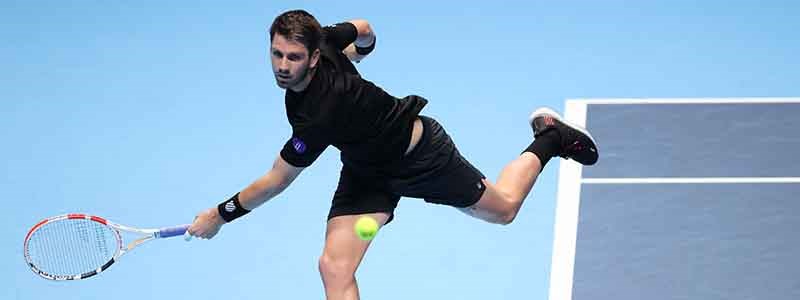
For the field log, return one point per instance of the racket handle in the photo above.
(187, 237)
(172, 231)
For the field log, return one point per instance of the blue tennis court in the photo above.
(691, 199)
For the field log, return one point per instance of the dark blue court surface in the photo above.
(691, 199)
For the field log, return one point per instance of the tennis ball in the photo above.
(366, 228)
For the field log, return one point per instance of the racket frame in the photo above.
(121, 248)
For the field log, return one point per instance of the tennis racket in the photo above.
(79, 246)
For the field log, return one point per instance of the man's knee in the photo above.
(336, 269)
(501, 209)
(503, 217)
(507, 211)
(507, 218)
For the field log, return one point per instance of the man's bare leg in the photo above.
(341, 256)
(501, 202)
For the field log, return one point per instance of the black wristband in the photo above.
(367, 50)
(231, 209)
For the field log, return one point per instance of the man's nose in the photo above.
(283, 66)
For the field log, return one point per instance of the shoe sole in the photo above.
(542, 111)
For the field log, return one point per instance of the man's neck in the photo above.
(306, 81)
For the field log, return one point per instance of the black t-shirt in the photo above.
(340, 108)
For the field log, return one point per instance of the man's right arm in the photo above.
(270, 185)
(207, 223)
(365, 39)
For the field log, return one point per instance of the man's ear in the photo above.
(314, 58)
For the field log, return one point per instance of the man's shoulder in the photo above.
(339, 62)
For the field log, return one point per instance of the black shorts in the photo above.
(434, 171)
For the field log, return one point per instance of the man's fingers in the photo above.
(201, 228)
(200, 234)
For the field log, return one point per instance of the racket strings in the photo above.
(71, 246)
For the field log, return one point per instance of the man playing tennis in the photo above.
(388, 149)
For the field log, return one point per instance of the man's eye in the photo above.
(293, 57)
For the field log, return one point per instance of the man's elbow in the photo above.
(365, 34)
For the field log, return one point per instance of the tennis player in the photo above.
(388, 149)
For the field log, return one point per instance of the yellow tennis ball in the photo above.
(366, 228)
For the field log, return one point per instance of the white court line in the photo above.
(686, 100)
(566, 219)
(669, 180)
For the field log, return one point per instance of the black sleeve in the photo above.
(302, 149)
(340, 35)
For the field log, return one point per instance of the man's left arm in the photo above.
(364, 43)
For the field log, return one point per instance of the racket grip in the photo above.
(172, 231)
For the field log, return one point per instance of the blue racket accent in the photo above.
(172, 231)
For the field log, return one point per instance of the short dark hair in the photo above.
(297, 25)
